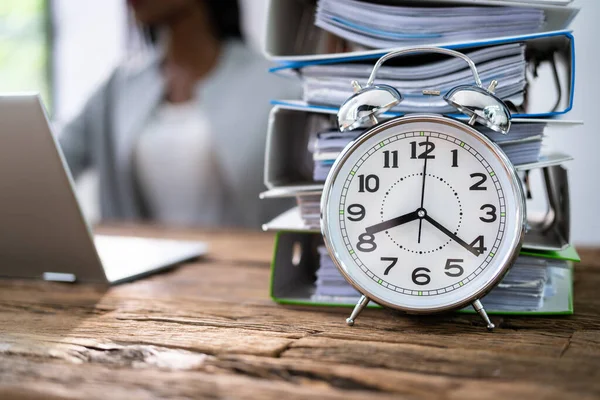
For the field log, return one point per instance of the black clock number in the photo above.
(366, 243)
(420, 277)
(356, 212)
(392, 261)
(454, 158)
(478, 244)
(369, 182)
(429, 147)
(452, 267)
(393, 155)
(482, 179)
(491, 213)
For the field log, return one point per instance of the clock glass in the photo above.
(423, 213)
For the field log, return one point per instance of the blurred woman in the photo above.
(179, 139)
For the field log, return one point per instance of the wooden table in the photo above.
(209, 329)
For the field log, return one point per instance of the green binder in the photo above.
(296, 260)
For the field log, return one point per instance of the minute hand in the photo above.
(451, 235)
(390, 223)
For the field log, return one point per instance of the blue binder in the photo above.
(538, 40)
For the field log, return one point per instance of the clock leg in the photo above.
(481, 311)
(362, 303)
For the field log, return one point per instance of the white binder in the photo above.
(290, 33)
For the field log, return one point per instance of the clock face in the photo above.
(423, 213)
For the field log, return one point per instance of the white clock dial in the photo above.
(423, 213)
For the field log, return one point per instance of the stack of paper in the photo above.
(329, 280)
(521, 146)
(377, 25)
(330, 84)
(524, 288)
(310, 211)
(326, 147)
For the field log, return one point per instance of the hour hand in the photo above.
(451, 235)
(390, 223)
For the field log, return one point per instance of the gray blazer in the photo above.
(104, 134)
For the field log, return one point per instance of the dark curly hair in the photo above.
(224, 16)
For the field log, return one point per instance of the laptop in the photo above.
(43, 233)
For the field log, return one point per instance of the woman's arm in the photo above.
(74, 143)
(76, 137)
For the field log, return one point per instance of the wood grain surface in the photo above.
(208, 329)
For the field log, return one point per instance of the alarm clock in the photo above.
(422, 213)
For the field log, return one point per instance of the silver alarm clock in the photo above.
(423, 213)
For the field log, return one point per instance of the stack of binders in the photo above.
(328, 43)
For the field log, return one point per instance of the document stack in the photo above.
(326, 44)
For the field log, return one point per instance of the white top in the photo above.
(176, 168)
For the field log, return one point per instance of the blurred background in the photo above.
(64, 49)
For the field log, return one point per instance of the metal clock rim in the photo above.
(508, 167)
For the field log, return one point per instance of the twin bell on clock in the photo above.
(423, 213)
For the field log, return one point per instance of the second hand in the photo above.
(423, 185)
